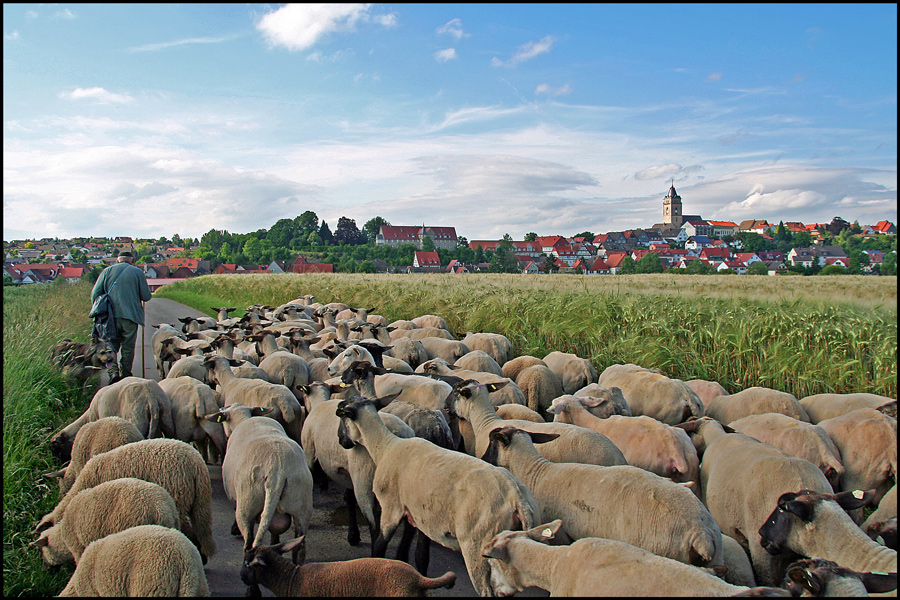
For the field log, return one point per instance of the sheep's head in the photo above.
(233, 414)
(52, 548)
(506, 580)
(260, 559)
(61, 446)
(785, 526)
(349, 411)
(501, 438)
(821, 577)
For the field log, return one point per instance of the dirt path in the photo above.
(327, 535)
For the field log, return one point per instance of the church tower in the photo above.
(672, 208)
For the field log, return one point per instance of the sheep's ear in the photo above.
(806, 579)
(879, 583)
(496, 385)
(728, 429)
(692, 425)
(545, 533)
(185, 320)
(542, 438)
(40, 542)
(850, 500)
(259, 411)
(56, 474)
(798, 507)
(217, 417)
(290, 545)
(385, 400)
(497, 550)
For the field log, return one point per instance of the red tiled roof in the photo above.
(428, 259)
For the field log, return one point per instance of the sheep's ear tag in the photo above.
(547, 533)
(220, 418)
(858, 494)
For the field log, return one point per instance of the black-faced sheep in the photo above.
(819, 577)
(148, 560)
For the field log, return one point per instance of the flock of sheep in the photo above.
(539, 471)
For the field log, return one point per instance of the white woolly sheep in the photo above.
(797, 438)
(361, 577)
(740, 571)
(517, 411)
(540, 385)
(449, 350)
(828, 406)
(574, 444)
(740, 481)
(423, 321)
(620, 502)
(287, 369)
(573, 371)
(594, 567)
(148, 560)
(651, 393)
(887, 510)
(421, 333)
(138, 400)
(644, 441)
(412, 352)
(105, 509)
(707, 391)
(867, 441)
(605, 401)
(257, 392)
(191, 401)
(514, 366)
(264, 472)
(465, 503)
(816, 524)
(506, 394)
(93, 438)
(496, 345)
(755, 401)
(173, 464)
(479, 360)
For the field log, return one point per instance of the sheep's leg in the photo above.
(423, 552)
(477, 566)
(406, 538)
(352, 521)
(244, 523)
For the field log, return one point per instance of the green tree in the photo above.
(627, 266)
(462, 242)
(589, 236)
(252, 250)
(801, 239)
(832, 270)
(428, 244)
(649, 263)
(373, 226)
(531, 236)
(889, 264)
(859, 260)
(348, 233)
(548, 263)
(504, 260)
(699, 267)
(479, 254)
(325, 234)
(758, 268)
(282, 232)
(212, 239)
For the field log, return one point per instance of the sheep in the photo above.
(867, 440)
(540, 385)
(412, 352)
(574, 372)
(651, 393)
(513, 367)
(517, 411)
(194, 324)
(402, 324)
(256, 392)
(740, 480)
(138, 400)
(816, 524)
(508, 394)
(620, 502)
(350, 578)
(190, 366)
(828, 406)
(820, 577)
(423, 321)
(148, 560)
(162, 353)
(192, 400)
(423, 333)
(81, 361)
(173, 464)
(449, 350)
(707, 391)
(495, 345)
(740, 571)
(456, 500)
(427, 423)
(605, 401)
(883, 518)
(222, 314)
(574, 444)
(264, 472)
(92, 439)
(102, 510)
(287, 369)
(644, 441)
(352, 468)
(344, 359)
(797, 438)
(755, 401)
(594, 567)
(479, 360)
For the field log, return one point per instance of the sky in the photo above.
(147, 120)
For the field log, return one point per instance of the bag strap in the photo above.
(114, 281)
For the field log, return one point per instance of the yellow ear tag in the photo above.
(547, 533)
(858, 494)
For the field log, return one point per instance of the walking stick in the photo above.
(141, 335)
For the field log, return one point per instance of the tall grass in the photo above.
(787, 333)
(36, 402)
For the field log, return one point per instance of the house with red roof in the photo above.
(301, 265)
(614, 260)
(598, 267)
(443, 237)
(885, 227)
(427, 261)
(735, 265)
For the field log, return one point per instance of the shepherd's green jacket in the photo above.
(129, 290)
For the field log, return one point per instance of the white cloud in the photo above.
(164, 45)
(552, 91)
(714, 76)
(445, 55)
(300, 26)
(64, 14)
(454, 28)
(658, 171)
(526, 52)
(11, 36)
(98, 94)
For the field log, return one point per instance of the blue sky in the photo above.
(150, 120)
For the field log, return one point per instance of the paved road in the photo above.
(327, 535)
